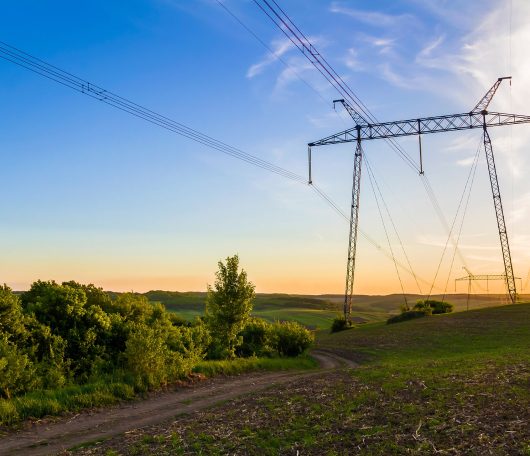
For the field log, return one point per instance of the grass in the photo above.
(113, 389)
(241, 365)
(449, 384)
(41, 403)
(315, 312)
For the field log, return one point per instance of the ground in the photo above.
(451, 384)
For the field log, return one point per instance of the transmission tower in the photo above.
(478, 117)
(481, 277)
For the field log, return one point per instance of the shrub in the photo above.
(258, 339)
(436, 307)
(17, 373)
(441, 307)
(408, 315)
(146, 355)
(340, 323)
(158, 355)
(422, 306)
(291, 338)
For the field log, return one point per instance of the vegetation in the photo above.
(407, 315)
(422, 308)
(228, 307)
(340, 323)
(314, 312)
(211, 368)
(435, 307)
(69, 346)
(456, 384)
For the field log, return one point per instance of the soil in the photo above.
(53, 437)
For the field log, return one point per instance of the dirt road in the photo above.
(38, 439)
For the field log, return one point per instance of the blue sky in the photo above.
(93, 194)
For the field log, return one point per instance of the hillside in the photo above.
(451, 384)
(315, 311)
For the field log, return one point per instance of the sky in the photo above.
(92, 194)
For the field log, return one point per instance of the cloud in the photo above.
(388, 73)
(373, 18)
(351, 60)
(279, 48)
(466, 161)
(427, 50)
(440, 241)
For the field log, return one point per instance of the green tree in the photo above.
(64, 309)
(11, 317)
(228, 307)
(17, 373)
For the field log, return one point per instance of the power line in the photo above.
(54, 73)
(472, 175)
(272, 52)
(371, 178)
(285, 24)
(25, 60)
(341, 213)
(469, 181)
(387, 210)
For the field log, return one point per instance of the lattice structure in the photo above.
(354, 224)
(497, 203)
(422, 126)
(478, 117)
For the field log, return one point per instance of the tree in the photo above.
(228, 307)
(64, 309)
(11, 317)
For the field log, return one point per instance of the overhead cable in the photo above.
(85, 87)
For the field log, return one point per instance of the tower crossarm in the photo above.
(485, 277)
(354, 114)
(486, 99)
(424, 125)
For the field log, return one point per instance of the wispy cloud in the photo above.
(279, 48)
(351, 60)
(440, 241)
(374, 18)
(426, 52)
(466, 161)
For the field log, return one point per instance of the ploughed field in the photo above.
(448, 384)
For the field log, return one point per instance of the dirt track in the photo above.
(52, 438)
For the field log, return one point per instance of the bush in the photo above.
(16, 370)
(435, 307)
(340, 323)
(291, 338)
(441, 307)
(156, 356)
(258, 339)
(408, 315)
(422, 306)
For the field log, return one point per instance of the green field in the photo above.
(316, 311)
(450, 384)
